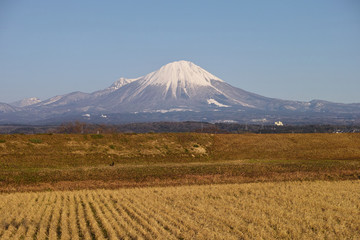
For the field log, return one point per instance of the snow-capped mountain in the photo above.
(26, 102)
(63, 100)
(177, 91)
(183, 85)
(115, 86)
(6, 108)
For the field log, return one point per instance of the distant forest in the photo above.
(157, 127)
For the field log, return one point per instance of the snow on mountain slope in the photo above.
(6, 108)
(115, 86)
(180, 73)
(176, 78)
(176, 85)
(179, 83)
(121, 82)
(213, 101)
(66, 99)
(26, 102)
(179, 90)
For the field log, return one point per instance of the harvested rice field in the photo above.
(282, 210)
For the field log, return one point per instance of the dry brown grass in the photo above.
(77, 149)
(174, 158)
(287, 146)
(286, 210)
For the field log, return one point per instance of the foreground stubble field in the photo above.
(283, 210)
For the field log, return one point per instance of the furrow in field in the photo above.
(296, 210)
(45, 220)
(82, 221)
(74, 229)
(134, 230)
(117, 223)
(54, 204)
(90, 215)
(166, 223)
(18, 216)
(35, 216)
(64, 218)
(148, 220)
(102, 218)
(20, 206)
(142, 216)
(129, 231)
(128, 207)
(55, 219)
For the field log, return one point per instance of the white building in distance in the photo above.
(279, 123)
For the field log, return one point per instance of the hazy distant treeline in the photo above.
(201, 127)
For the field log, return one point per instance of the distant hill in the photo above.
(178, 91)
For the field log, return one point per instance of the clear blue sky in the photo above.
(298, 50)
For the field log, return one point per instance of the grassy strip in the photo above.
(169, 158)
(58, 151)
(194, 173)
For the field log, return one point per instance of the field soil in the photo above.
(78, 161)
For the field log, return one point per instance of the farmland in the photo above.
(78, 161)
(180, 186)
(285, 210)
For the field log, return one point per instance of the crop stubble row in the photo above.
(286, 210)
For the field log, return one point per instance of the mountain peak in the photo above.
(121, 82)
(180, 64)
(180, 74)
(182, 71)
(26, 102)
(180, 77)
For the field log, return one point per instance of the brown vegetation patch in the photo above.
(168, 157)
(81, 152)
(197, 149)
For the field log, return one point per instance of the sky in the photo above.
(296, 50)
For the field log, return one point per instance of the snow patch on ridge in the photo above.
(26, 102)
(122, 82)
(213, 101)
(170, 110)
(52, 100)
(290, 108)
